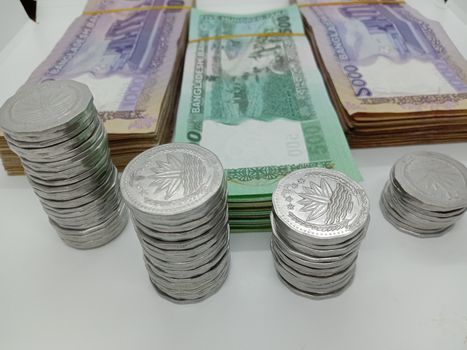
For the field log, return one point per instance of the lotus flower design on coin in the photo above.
(435, 177)
(179, 173)
(315, 244)
(320, 200)
(45, 101)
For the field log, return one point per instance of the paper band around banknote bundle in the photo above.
(237, 36)
(134, 9)
(355, 2)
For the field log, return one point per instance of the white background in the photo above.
(460, 7)
(12, 19)
(408, 293)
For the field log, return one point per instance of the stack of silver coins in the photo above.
(319, 219)
(55, 130)
(426, 193)
(177, 195)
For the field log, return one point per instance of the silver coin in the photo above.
(44, 107)
(188, 255)
(316, 281)
(47, 178)
(310, 287)
(195, 292)
(86, 183)
(178, 202)
(58, 151)
(179, 236)
(55, 129)
(312, 262)
(304, 268)
(284, 246)
(80, 219)
(322, 250)
(77, 163)
(98, 238)
(197, 271)
(110, 194)
(319, 220)
(58, 134)
(98, 180)
(184, 244)
(189, 247)
(110, 184)
(84, 122)
(412, 220)
(190, 298)
(171, 179)
(402, 226)
(192, 285)
(195, 214)
(411, 216)
(167, 222)
(192, 282)
(102, 226)
(192, 226)
(433, 178)
(447, 216)
(89, 219)
(321, 204)
(315, 296)
(192, 263)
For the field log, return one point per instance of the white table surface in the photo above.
(408, 293)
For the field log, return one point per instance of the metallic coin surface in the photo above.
(433, 178)
(45, 106)
(171, 179)
(319, 219)
(321, 204)
(177, 194)
(55, 130)
(426, 194)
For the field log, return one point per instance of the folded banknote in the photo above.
(395, 76)
(253, 94)
(130, 54)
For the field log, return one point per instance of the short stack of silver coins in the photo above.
(177, 195)
(55, 130)
(426, 193)
(319, 219)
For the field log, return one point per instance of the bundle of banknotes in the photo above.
(395, 77)
(253, 94)
(130, 54)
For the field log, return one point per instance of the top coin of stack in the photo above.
(54, 128)
(319, 219)
(177, 194)
(426, 193)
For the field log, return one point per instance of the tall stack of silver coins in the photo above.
(319, 219)
(177, 195)
(426, 193)
(55, 130)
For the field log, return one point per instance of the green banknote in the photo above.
(258, 101)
